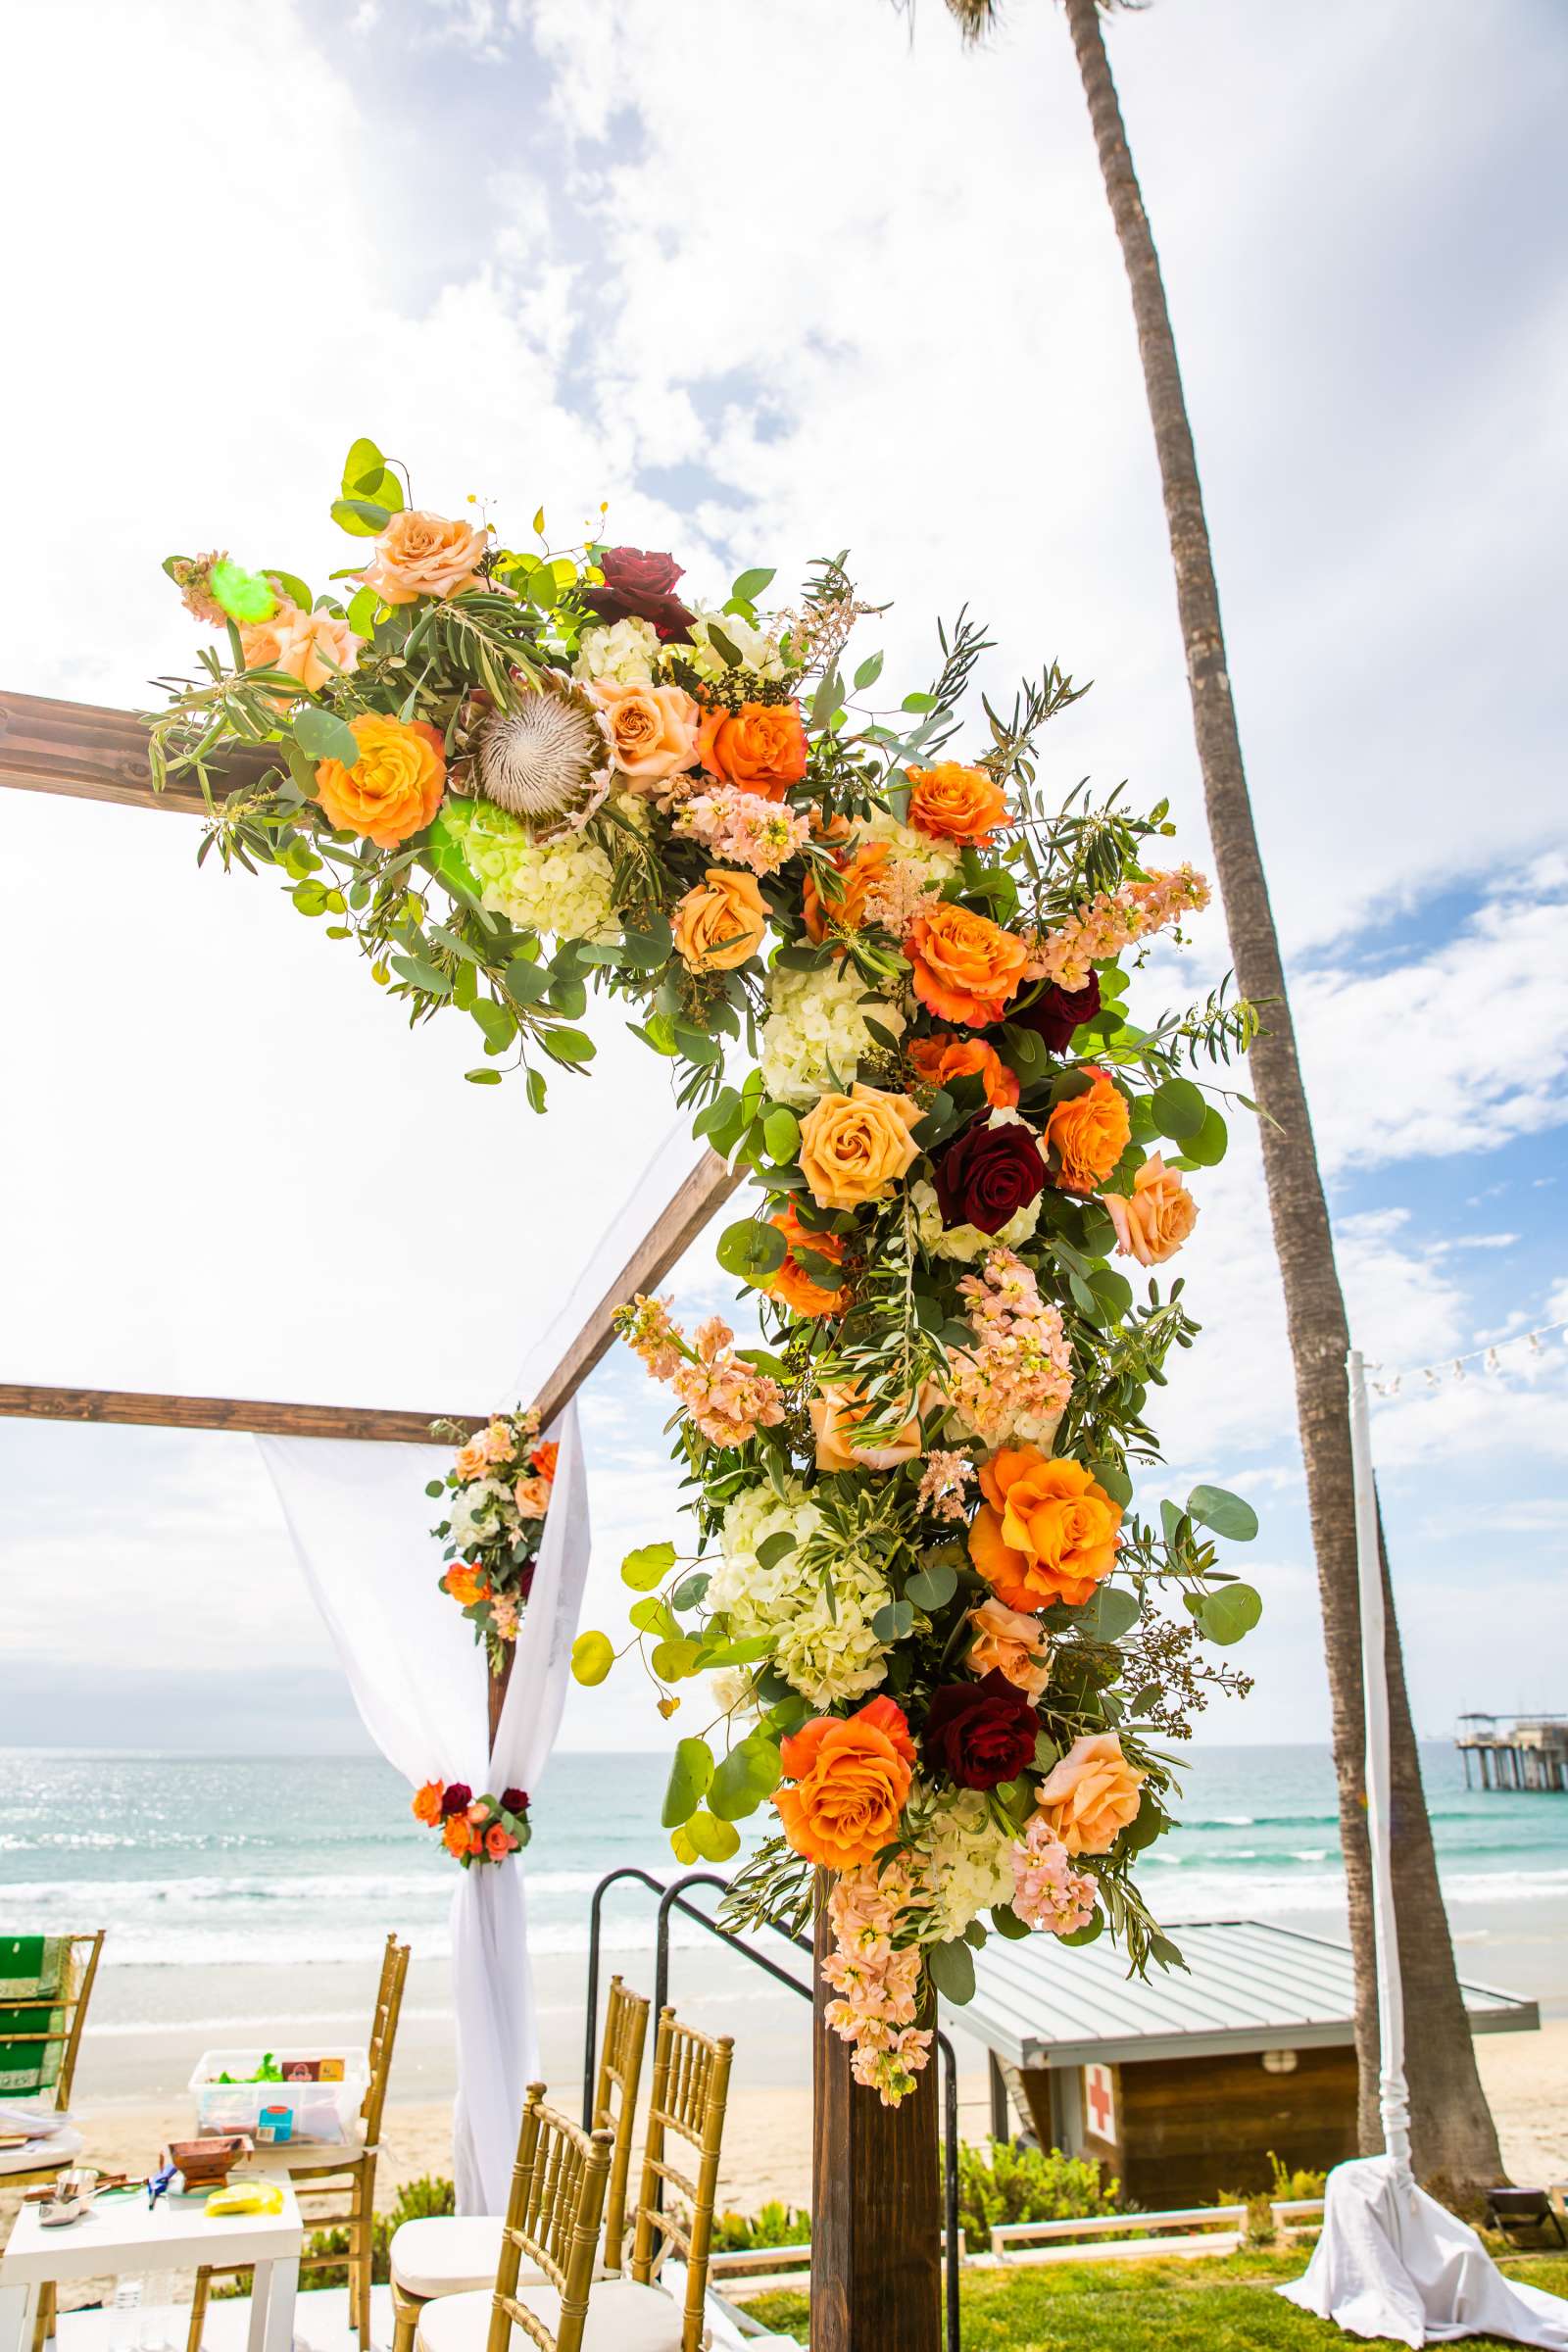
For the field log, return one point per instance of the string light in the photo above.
(1489, 1357)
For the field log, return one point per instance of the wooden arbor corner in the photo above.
(874, 2184)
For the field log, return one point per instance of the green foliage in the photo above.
(776, 2224)
(1006, 2181)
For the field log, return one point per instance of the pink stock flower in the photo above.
(744, 827)
(1016, 1378)
(1047, 1891)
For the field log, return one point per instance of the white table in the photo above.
(120, 2234)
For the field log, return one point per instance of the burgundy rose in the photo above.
(639, 585)
(987, 1174)
(513, 1800)
(1057, 1012)
(980, 1733)
(456, 1799)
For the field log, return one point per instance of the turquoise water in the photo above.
(193, 1862)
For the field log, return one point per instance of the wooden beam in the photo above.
(142, 1409)
(86, 752)
(710, 1183)
(707, 1186)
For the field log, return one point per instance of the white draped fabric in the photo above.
(360, 1521)
(1391, 2262)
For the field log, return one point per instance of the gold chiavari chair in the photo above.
(553, 2215)
(687, 2098)
(319, 2173)
(41, 2040)
(456, 2254)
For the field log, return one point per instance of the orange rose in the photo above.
(428, 1802)
(761, 746)
(851, 1780)
(1045, 1531)
(395, 786)
(847, 911)
(1089, 1133)
(720, 923)
(965, 966)
(1155, 1219)
(941, 1057)
(837, 1411)
(1013, 1643)
(545, 1456)
(457, 1836)
(793, 1285)
(856, 1147)
(957, 804)
(652, 729)
(420, 554)
(467, 1582)
(1090, 1797)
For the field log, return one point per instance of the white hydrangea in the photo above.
(627, 652)
(816, 1032)
(758, 648)
(828, 1653)
(937, 860)
(967, 1242)
(472, 1516)
(965, 1867)
(562, 887)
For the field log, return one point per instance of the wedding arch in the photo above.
(892, 985)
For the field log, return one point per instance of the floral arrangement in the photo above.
(500, 1483)
(892, 986)
(474, 1829)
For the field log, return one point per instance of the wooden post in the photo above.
(876, 2206)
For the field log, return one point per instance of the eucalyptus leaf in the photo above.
(1229, 1612)
(952, 1970)
(1228, 1514)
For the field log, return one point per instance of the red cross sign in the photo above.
(1100, 2101)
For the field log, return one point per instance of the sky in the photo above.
(773, 280)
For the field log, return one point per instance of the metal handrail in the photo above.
(673, 1898)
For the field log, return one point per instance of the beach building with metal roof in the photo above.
(1184, 2082)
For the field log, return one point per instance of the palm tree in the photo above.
(1452, 2130)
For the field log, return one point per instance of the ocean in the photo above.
(243, 1891)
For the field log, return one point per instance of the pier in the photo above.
(1516, 1752)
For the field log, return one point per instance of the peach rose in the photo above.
(851, 1779)
(1089, 1133)
(1088, 1799)
(313, 646)
(720, 921)
(1045, 1531)
(420, 553)
(1155, 1219)
(847, 911)
(652, 729)
(761, 746)
(856, 1147)
(395, 786)
(498, 1841)
(531, 1497)
(837, 1411)
(428, 1802)
(1014, 1644)
(965, 966)
(793, 1285)
(471, 1460)
(942, 1056)
(955, 802)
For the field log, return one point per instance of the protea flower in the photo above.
(546, 761)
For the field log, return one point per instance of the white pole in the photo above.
(1393, 2096)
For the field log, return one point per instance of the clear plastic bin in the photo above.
(320, 2114)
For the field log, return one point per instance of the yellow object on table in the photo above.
(245, 2196)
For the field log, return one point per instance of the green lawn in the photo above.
(1221, 2306)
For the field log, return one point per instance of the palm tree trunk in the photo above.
(1452, 2130)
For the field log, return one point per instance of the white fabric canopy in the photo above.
(360, 1522)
